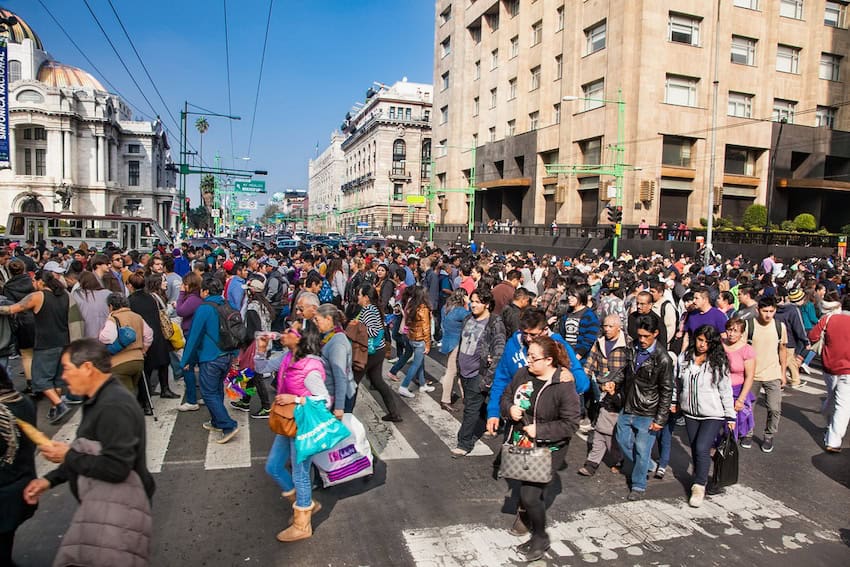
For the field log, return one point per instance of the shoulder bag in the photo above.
(817, 346)
(527, 464)
(282, 417)
(165, 324)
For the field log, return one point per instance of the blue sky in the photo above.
(321, 58)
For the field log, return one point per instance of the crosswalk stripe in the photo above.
(813, 380)
(387, 441)
(66, 434)
(159, 431)
(442, 423)
(234, 454)
(806, 389)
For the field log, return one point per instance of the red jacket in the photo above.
(836, 347)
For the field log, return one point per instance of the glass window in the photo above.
(591, 151)
(494, 58)
(446, 15)
(445, 78)
(537, 32)
(533, 120)
(444, 115)
(476, 70)
(493, 20)
(511, 128)
(791, 9)
(133, 173)
(475, 106)
(559, 66)
(743, 50)
(681, 90)
(407, 113)
(27, 161)
(399, 156)
(740, 161)
(750, 4)
(491, 133)
(833, 15)
(442, 148)
(825, 116)
(134, 149)
(740, 105)
(559, 17)
(41, 161)
(683, 29)
(398, 191)
(512, 7)
(425, 162)
(556, 113)
(676, 150)
(39, 133)
(392, 113)
(446, 46)
(475, 34)
(512, 89)
(784, 110)
(493, 93)
(595, 38)
(14, 70)
(593, 94)
(829, 65)
(535, 78)
(514, 46)
(788, 59)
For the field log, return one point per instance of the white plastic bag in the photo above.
(349, 459)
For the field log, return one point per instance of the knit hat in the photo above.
(796, 295)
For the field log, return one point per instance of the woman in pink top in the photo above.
(742, 366)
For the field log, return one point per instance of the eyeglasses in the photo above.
(293, 331)
(537, 359)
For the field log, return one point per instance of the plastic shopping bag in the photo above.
(347, 460)
(318, 429)
(726, 462)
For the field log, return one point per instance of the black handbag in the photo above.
(726, 462)
(527, 464)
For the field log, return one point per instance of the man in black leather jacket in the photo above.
(647, 385)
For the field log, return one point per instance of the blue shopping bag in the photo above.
(318, 429)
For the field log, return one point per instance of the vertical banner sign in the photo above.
(5, 161)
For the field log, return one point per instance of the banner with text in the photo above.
(5, 161)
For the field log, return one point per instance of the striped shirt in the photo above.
(371, 319)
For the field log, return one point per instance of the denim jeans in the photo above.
(191, 382)
(176, 369)
(636, 440)
(701, 434)
(417, 367)
(403, 351)
(211, 377)
(839, 405)
(665, 441)
(473, 400)
(283, 450)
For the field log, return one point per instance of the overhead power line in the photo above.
(260, 78)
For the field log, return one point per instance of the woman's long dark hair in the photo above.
(716, 355)
(310, 343)
(368, 290)
(89, 284)
(417, 298)
(52, 283)
(153, 285)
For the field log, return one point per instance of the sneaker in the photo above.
(635, 495)
(209, 426)
(28, 389)
(660, 472)
(201, 402)
(746, 443)
(240, 405)
(186, 406)
(806, 368)
(51, 413)
(226, 436)
(262, 414)
(799, 384)
(767, 445)
(405, 392)
(61, 410)
(697, 496)
(392, 360)
(458, 452)
(71, 400)
(427, 388)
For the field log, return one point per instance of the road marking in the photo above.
(813, 380)
(159, 431)
(806, 389)
(387, 441)
(66, 434)
(441, 422)
(604, 533)
(235, 454)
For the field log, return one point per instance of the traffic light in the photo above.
(609, 212)
(618, 215)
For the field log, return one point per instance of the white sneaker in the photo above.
(426, 388)
(806, 368)
(697, 496)
(188, 407)
(405, 392)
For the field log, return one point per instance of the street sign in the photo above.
(362, 224)
(415, 199)
(215, 213)
(247, 205)
(253, 186)
(432, 218)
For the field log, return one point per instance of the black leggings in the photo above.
(7, 539)
(531, 499)
(374, 371)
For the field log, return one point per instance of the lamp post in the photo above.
(616, 169)
(469, 191)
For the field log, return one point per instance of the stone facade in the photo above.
(326, 176)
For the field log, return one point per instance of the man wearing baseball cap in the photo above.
(789, 313)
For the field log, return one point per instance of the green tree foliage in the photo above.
(208, 184)
(755, 217)
(805, 222)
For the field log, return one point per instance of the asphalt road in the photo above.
(215, 505)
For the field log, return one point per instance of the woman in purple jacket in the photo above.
(187, 303)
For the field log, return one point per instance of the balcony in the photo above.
(397, 174)
(357, 183)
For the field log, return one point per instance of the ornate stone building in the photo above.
(326, 176)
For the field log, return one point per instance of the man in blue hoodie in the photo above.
(202, 349)
(532, 324)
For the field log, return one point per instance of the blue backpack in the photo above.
(326, 293)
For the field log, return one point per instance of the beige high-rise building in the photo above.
(504, 67)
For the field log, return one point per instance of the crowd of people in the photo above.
(537, 347)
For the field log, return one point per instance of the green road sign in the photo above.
(253, 186)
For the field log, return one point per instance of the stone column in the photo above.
(54, 154)
(13, 150)
(101, 158)
(68, 171)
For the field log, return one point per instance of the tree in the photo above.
(271, 210)
(202, 125)
(805, 222)
(199, 217)
(208, 190)
(755, 216)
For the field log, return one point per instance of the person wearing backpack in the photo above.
(212, 343)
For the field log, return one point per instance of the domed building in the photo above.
(74, 146)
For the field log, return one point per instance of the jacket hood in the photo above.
(20, 283)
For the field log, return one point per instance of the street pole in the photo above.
(184, 216)
(709, 233)
(430, 194)
(619, 166)
(471, 199)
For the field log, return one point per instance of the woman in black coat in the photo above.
(157, 357)
(18, 287)
(17, 464)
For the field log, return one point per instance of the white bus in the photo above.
(127, 233)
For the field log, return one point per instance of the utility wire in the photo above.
(260, 78)
(229, 98)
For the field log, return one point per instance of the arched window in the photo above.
(399, 157)
(14, 70)
(425, 167)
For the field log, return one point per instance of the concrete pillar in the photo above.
(68, 165)
(13, 151)
(54, 154)
(101, 158)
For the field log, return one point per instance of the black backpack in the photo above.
(231, 328)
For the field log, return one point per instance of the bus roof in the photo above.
(79, 216)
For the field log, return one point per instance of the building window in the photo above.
(399, 156)
(14, 70)
(444, 115)
(559, 19)
(475, 34)
(512, 89)
(740, 105)
(784, 110)
(27, 161)
(535, 78)
(133, 173)
(534, 120)
(556, 113)
(537, 32)
(41, 161)
(442, 148)
(426, 115)
(445, 78)
(446, 46)
(475, 106)
(591, 151)
(392, 113)
(493, 20)
(514, 46)
(829, 65)
(788, 59)
(425, 162)
(593, 94)
(493, 93)
(676, 151)
(137, 149)
(595, 38)
(511, 128)
(825, 116)
(475, 140)
(476, 70)
(791, 9)
(39, 133)
(740, 161)
(743, 50)
(407, 113)
(683, 29)
(559, 66)
(491, 134)
(749, 4)
(513, 7)
(494, 59)
(446, 15)
(833, 15)
(398, 191)
(27, 133)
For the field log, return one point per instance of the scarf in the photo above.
(326, 339)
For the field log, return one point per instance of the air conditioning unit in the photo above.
(647, 190)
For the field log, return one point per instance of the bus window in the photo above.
(130, 236)
(16, 227)
(102, 229)
(64, 228)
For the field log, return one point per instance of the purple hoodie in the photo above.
(187, 304)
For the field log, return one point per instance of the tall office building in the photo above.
(503, 69)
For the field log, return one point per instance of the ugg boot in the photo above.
(302, 527)
(697, 495)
